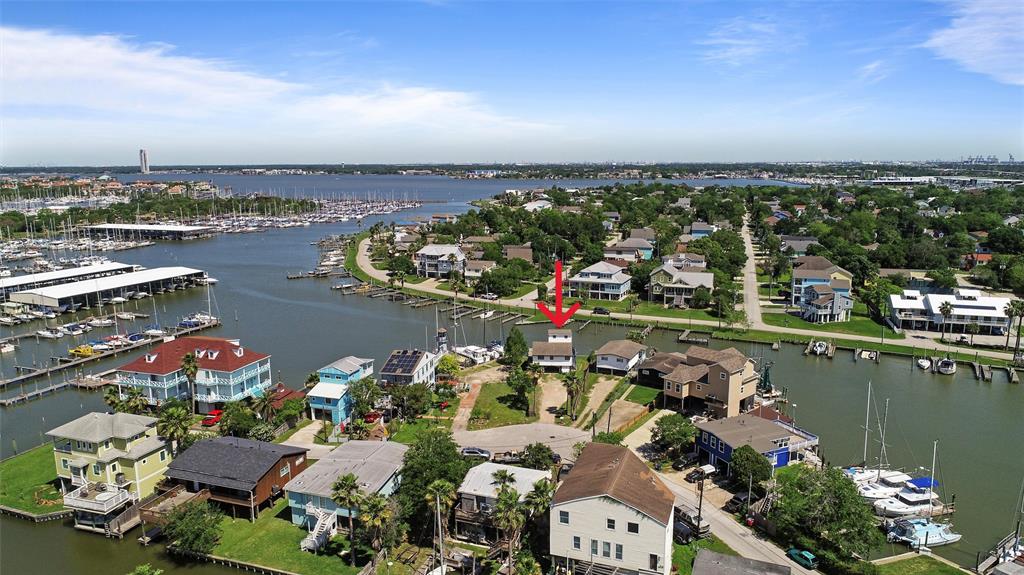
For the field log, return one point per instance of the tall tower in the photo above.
(143, 162)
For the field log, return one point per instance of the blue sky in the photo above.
(236, 82)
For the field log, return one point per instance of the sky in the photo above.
(88, 83)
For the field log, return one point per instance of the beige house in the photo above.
(612, 514)
(723, 382)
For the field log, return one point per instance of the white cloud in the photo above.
(741, 40)
(873, 72)
(985, 36)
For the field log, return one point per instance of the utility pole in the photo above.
(700, 503)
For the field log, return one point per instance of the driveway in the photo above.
(602, 387)
(304, 438)
(552, 397)
(475, 380)
(640, 440)
(558, 437)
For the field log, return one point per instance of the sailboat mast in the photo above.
(881, 447)
(867, 424)
(931, 480)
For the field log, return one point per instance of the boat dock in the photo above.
(688, 337)
(65, 363)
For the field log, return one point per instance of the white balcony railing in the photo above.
(97, 497)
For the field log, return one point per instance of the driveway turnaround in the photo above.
(516, 437)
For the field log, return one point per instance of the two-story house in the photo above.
(826, 303)
(557, 353)
(106, 462)
(700, 230)
(376, 465)
(630, 249)
(913, 310)
(601, 281)
(612, 514)
(814, 270)
(478, 495)
(798, 244)
(778, 440)
(410, 366)
(675, 285)
(619, 356)
(227, 372)
(329, 398)
(720, 381)
(439, 260)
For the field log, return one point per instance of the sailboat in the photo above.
(917, 498)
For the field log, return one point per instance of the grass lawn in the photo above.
(643, 395)
(646, 308)
(920, 565)
(494, 408)
(25, 481)
(615, 393)
(683, 555)
(408, 432)
(411, 279)
(411, 558)
(287, 434)
(273, 541)
(350, 258)
(858, 325)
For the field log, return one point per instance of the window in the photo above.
(721, 447)
(64, 463)
(145, 461)
(704, 437)
(668, 386)
(106, 444)
(113, 467)
(633, 528)
(618, 551)
(714, 442)
(593, 546)
(606, 549)
(563, 517)
(95, 468)
(679, 388)
(163, 455)
(300, 460)
(284, 470)
(610, 523)
(721, 375)
(652, 561)
(576, 542)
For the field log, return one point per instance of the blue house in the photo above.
(702, 230)
(330, 397)
(777, 440)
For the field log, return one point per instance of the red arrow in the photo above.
(558, 317)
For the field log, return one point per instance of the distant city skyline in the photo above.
(89, 83)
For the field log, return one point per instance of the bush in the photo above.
(262, 432)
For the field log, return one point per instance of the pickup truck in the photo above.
(688, 515)
(508, 457)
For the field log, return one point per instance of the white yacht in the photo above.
(49, 333)
(920, 532)
(101, 322)
(916, 498)
(888, 484)
(924, 363)
(946, 366)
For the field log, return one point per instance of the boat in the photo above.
(887, 484)
(49, 333)
(125, 315)
(915, 498)
(6, 347)
(946, 366)
(100, 322)
(154, 331)
(919, 532)
(139, 295)
(100, 346)
(117, 300)
(8, 320)
(487, 314)
(924, 363)
(81, 351)
(819, 348)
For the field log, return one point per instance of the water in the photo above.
(305, 325)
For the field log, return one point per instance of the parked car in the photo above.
(601, 311)
(372, 417)
(682, 533)
(490, 296)
(508, 457)
(737, 503)
(702, 472)
(213, 418)
(442, 405)
(685, 461)
(476, 452)
(803, 558)
(688, 515)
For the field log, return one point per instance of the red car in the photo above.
(442, 405)
(372, 417)
(212, 418)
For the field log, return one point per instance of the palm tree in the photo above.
(503, 478)
(973, 329)
(263, 404)
(173, 424)
(508, 516)
(573, 386)
(535, 371)
(134, 402)
(112, 397)
(190, 367)
(312, 379)
(1018, 310)
(375, 513)
(346, 493)
(946, 309)
(440, 496)
(538, 500)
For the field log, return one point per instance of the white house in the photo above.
(478, 496)
(439, 260)
(620, 355)
(557, 353)
(913, 310)
(612, 514)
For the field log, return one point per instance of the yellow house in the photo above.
(106, 464)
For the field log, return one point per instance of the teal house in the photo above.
(330, 399)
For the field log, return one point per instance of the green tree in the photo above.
(346, 493)
(194, 527)
(237, 419)
(701, 298)
(433, 456)
(190, 367)
(448, 365)
(516, 349)
(542, 292)
(522, 384)
(112, 397)
(413, 400)
(365, 393)
(674, 433)
(312, 379)
(973, 329)
(375, 514)
(263, 405)
(942, 278)
(747, 464)
(440, 497)
(609, 437)
(538, 456)
(509, 517)
(146, 569)
(173, 425)
(946, 309)
(134, 401)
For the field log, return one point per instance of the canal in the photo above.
(305, 325)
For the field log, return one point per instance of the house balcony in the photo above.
(159, 509)
(221, 397)
(480, 515)
(102, 498)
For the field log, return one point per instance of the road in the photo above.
(558, 437)
(751, 299)
(923, 341)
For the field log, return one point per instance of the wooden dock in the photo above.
(687, 337)
(1012, 375)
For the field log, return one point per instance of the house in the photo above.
(675, 285)
(777, 440)
(620, 356)
(685, 260)
(600, 281)
(376, 465)
(827, 303)
(410, 366)
(476, 268)
(523, 252)
(798, 244)
(700, 230)
(912, 310)
(612, 514)
(631, 249)
(478, 496)
(644, 234)
(683, 203)
(556, 353)
(280, 394)
(708, 562)
(107, 462)
(814, 270)
(439, 260)
(652, 371)
(239, 473)
(720, 381)
(227, 372)
(329, 398)
(612, 216)
(537, 205)
(970, 261)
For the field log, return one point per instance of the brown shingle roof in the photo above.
(812, 263)
(560, 348)
(708, 355)
(687, 373)
(621, 348)
(663, 362)
(614, 471)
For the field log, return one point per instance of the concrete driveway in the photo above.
(559, 438)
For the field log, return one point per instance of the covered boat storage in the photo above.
(89, 291)
(45, 279)
(149, 231)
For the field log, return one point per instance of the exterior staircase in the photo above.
(326, 527)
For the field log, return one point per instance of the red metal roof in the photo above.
(166, 357)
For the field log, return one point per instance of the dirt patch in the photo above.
(552, 397)
(602, 387)
(622, 413)
(467, 402)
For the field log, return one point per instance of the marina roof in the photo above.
(52, 295)
(372, 462)
(480, 479)
(14, 282)
(328, 390)
(150, 227)
(966, 303)
(96, 427)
